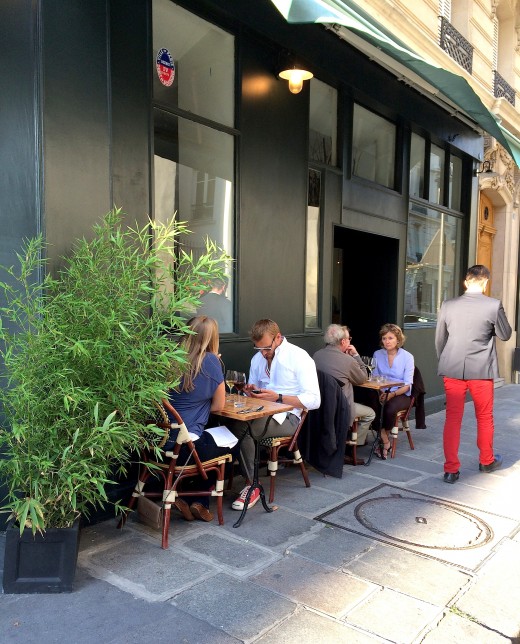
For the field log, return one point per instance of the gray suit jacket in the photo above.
(465, 336)
(342, 366)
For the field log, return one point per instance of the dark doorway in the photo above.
(364, 289)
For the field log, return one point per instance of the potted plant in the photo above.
(86, 353)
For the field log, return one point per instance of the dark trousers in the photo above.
(206, 449)
(370, 397)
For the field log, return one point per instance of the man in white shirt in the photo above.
(280, 372)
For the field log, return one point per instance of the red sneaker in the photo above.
(238, 504)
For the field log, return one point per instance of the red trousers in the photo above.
(482, 393)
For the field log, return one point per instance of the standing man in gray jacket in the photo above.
(465, 345)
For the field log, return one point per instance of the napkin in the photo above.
(222, 436)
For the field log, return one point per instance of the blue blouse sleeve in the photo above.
(409, 366)
(213, 368)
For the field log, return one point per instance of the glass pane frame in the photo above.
(201, 56)
(374, 145)
(312, 251)
(198, 187)
(434, 239)
(323, 123)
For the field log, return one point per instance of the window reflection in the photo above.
(431, 266)
(323, 123)
(193, 167)
(373, 147)
(417, 152)
(312, 250)
(436, 192)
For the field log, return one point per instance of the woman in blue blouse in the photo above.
(393, 363)
(200, 392)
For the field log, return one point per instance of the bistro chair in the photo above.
(172, 475)
(402, 418)
(401, 422)
(352, 442)
(290, 443)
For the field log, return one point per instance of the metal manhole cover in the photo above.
(424, 523)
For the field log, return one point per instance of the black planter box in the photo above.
(41, 563)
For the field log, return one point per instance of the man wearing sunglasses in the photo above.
(279, 372)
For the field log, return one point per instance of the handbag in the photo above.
(150, 512)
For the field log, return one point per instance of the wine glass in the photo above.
(371, 364)
(230, 377)
(240, 381)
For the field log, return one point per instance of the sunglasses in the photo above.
(265, 348)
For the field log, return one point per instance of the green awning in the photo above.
(452, 86)
(514, 144)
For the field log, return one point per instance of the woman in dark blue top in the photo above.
(200, 392)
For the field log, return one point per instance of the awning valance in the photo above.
(452, 88)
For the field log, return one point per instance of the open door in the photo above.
(364, 289)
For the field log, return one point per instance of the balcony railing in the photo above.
(455, 45)
(502, 89)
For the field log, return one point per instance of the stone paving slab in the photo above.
(333, 547)
(233, 555)
(143, 569)
(275, 530)
(97, 612)
(394, 616)
(418, 464)
(409, 573)
(242, 609)
(316, 586)
(453, 629)
(306, 626)
(494, 598)
(309, 501)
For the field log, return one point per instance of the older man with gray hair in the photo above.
(340, 359)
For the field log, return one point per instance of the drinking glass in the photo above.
(371, 364)
(230, 377)
(240, 382)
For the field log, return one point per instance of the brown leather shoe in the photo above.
(200, 512)
(184, 509)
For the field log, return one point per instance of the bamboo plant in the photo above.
(86, 353)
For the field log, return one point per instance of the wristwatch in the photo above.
(280, 398)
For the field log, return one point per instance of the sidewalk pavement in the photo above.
(388, 553)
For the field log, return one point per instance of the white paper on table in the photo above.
(222, 436)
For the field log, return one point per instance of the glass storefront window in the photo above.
(431, 262)
(373, 147)
(203, 64)
(323, 123)
(455, 182)
(417, 156)
(194, 178)
(312, 250)
(436, 191)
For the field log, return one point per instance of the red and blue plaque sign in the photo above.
(165, 67)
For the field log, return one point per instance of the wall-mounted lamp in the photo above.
(486, 171)
(293, 71)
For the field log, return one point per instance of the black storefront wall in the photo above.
(97, 140)
(87, 101)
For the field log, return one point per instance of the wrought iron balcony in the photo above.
(502, 89)
(456, 46)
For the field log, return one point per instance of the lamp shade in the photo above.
(293, 71)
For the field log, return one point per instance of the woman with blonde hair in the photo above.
(393, 363)
(200, 392)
